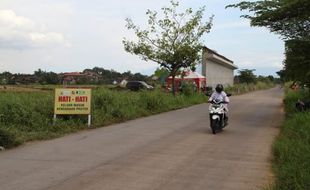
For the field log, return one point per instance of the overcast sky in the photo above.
(71, 35)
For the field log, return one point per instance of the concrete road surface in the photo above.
(174, 150)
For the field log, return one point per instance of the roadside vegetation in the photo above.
(27, 115)
(292, 148)
(247, 81)
(244, 88)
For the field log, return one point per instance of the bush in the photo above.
(8, 139)
(292, 97)
(188, 88)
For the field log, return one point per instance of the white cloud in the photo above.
(96, 29)
(262, 60)
(18, 32)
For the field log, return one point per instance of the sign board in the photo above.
(71, 101)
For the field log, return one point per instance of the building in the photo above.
(217, 68)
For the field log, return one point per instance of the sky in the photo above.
(72, 35)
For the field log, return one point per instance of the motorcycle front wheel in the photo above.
(214, 124)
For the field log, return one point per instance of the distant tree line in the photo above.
(247, 76)
(96, 75)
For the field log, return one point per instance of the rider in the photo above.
(221, 96)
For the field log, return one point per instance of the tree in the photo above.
(289, 18)
(173, 41)
(247, 76)
(46, 77)
(162, 74)
(297, 63)
(266, 79)
(6, 78)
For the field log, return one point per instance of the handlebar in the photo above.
(213, 102)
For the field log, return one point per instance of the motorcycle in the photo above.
(218, 119)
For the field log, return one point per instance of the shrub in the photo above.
(8, 139)
(188, 88)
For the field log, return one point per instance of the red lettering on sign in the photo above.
(81, 99)
(64, 99)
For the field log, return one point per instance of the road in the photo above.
(171, 151)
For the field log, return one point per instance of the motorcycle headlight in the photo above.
(215, 117)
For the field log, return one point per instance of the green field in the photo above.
(292, 147)
(26, 112)
(27, 115)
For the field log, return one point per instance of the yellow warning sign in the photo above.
(71, 101)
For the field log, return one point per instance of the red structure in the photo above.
(195, 78)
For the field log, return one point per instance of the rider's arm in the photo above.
(211, 97)
(226, 99)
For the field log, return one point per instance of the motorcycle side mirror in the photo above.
(229, 95)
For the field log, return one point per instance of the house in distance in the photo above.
(217, 68)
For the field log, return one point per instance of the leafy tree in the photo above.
(6, 78)
(172, 41)
(162, 74)
(289, 18)
(109, 76)
(47, 77)
(270, 78)
(247, 76)
(266, 79)
(281, 74)
(297, 63)
(139, 76)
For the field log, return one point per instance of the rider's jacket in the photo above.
(219, 97)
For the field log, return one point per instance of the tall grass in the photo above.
(26, 116)
(292, 147)
(244, 88)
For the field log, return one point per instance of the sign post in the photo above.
(73, 101)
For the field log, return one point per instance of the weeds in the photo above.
(292, 148)
(244, 88)
(26, 116)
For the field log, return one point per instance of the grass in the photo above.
(27, 116)
(245, 88)
(292, 148)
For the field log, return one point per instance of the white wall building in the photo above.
(217, 68)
